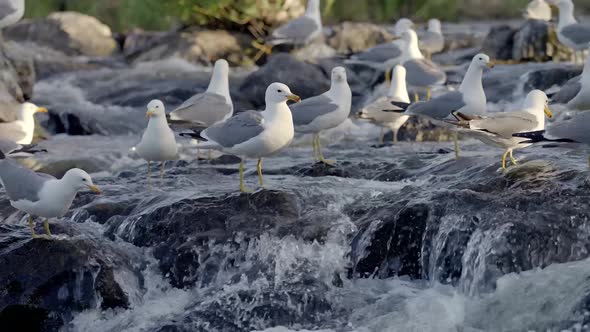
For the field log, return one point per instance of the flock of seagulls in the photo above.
(262, 134)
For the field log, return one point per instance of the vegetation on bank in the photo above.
(122, 15)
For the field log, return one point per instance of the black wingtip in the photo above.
(2, 156)
(539, 136)
(403, 107)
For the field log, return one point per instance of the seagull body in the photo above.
(212, 106)
(432, 41)
(420, 71)
(11, 11)
(538, 10)
(576, 92)
(301, 30)
(158, 142)
(253, 134)
(326, 111)
(22, 130)
(40, 194)
(569, 32)
(397, 93)
(498, 129)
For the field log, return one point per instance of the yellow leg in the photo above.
(504, 159)
(321, 154)
(395, 132)
(428, 94)
(416, 97)
(32, 227)
(209, 155)
(388, 76)
(456, 141)
(46, 225)
(381, 136)
(162, 168)
(259, 168)
(242, 187)
(512, 160)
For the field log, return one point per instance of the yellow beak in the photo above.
(491, 64)
(294, 98)
(42, 110)
(94, 189)
(149, 114)
(548, 112)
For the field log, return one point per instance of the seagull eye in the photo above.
(279, 91)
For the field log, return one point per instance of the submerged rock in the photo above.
(69, 32)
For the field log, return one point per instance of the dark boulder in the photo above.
(499, 43)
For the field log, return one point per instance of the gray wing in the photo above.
(568, 92)
(11, 131)
(206, 108)
(20, 182)
(238, 129)
(439, 107)
(6, 9)
(579, 33)
(380, 53)
(422, 72)
(575, 128)
(308, 110)
(8, 146)
(298, 30)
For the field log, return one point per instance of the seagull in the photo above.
(14, 150)
(11, 11)
(384, 57)
(326, 111)
(497, 129)
(572, 130)
(420, 71)
(212, 106)
(40, 194)
(397, 93)
(575, 93)
(22, 129)
(253, 134)
(432, 41)
(538, 10)
(569, 32)
(158, 142)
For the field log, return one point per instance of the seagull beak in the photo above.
(94, 189)
(42, 110)
(491, 64)
(294, 98)
(149, 114)
(548, 112)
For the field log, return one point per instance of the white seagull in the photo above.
(22, 129)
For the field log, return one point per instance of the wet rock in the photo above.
(350, 37)
(69, 32)
(197, 46)
(24, 68)
(545, 78)
(48, 280)
(305, 80)
(499, 43)
(195, 239)
(531, 42)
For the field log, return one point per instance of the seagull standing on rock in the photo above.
(158, 142)
(40, 194)
(323, 112)
(253, 134)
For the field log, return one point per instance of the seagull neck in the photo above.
(398, 90)
(566, 18)
(64, 191)
(435, 29)
(277, 111)
(313, 11)
(413, 52)
(339, 88)
(219, 84)
(472, 80)
(158, 122)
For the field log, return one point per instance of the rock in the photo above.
(45, 281)
(197, 46)
(350, 37)
(531, 42)
(24, 67)
(545, 78)
(499, 43)
(68, 32)
(305, 80)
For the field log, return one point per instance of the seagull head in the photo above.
(30, 108)
(280, 93)
(564, 5)
(155, 109)
(402, 25)
(434, 25)
(537, 100)
(79, 180)
(221, 67)
(339, 75)
(482, 60)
